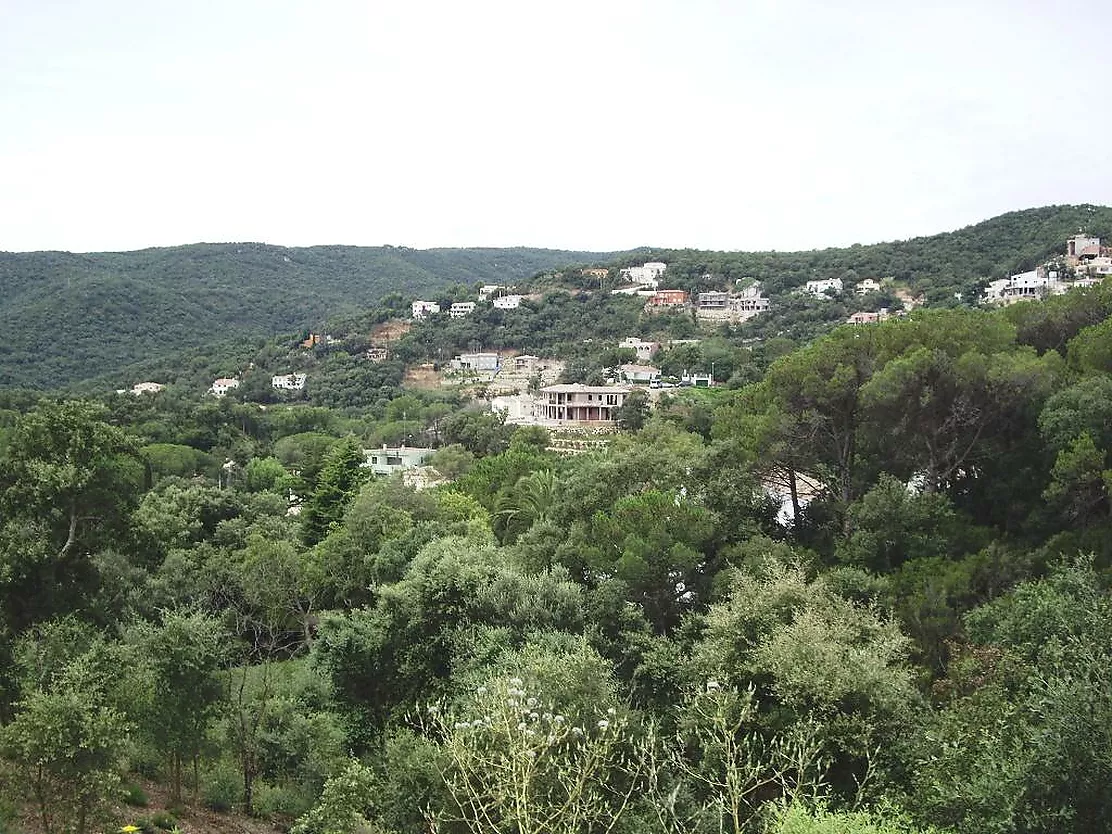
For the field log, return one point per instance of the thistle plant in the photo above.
(515, 763)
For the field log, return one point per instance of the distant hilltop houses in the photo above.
(495, 294)
(140, 388)
(1086, 263)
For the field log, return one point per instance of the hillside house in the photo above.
(377, 353)
(460, 309)
(1082, 246)
(288, 382)
(391, 459)
(713, 300)
(866, 286)
(869, 317)
(650, 273)
(141, 388)
(573, 404)
(487, 290)
(824, 288)
(1036, 283)
(638, 374)
(421, 309)
(516, 409)
(223, 385)
(668, 298)
(508, 302)
(526, 363)
(744, 307)
(696, 379)
(596, 274)
(477, 362)
(313, 340)
(644, 350)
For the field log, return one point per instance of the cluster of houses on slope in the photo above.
(494, 293)
(1086, 263)
(644, 281)
(280, 382)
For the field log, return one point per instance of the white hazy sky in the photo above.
(579, 124)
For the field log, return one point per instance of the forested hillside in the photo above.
(936, 266)
(867, 589)
(67, 317)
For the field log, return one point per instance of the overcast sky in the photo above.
(577, 124)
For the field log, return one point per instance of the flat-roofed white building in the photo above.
(824, 287)
(288, 382)
(424, 308)
(391, 459)
(475, 362)
(639, 374)
(517, 409)
(146, 388)
(508, 302)
(460, 309)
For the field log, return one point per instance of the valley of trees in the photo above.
(863, 589)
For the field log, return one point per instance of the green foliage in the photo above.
(181, 657)
(340, 476)
(346, 798)
(70, 746)
(514, 762)
(797, 819)
(220, 788)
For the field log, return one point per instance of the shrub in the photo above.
(135, 796)
(221, 788)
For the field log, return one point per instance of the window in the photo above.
(393, 461)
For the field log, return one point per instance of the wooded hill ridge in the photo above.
(70, 317)
(67, 317)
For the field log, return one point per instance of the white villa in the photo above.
(424, 308)
(644, 350)
(573, 404)
(824, 287)
(146, 388)
(1036, 283)
(222, 386)
(866, 286)
(391, 459)
(508, 302)
(650, 273)
(288, 382)
(476, 362)
(460, 309)
(638, 374)
(487, 290)
(517, 409)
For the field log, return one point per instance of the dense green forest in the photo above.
(68, 317)
(180, 313)
(864, 588)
